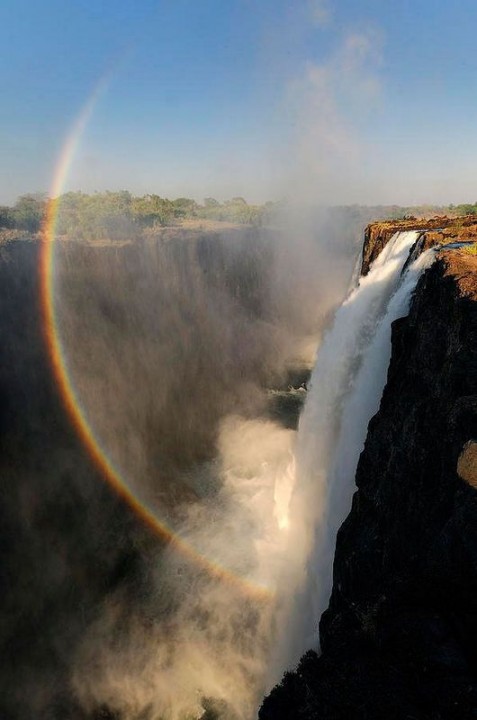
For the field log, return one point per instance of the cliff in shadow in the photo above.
(399, 638)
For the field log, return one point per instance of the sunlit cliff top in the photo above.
(435, 231)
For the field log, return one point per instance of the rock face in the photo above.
(399, 639)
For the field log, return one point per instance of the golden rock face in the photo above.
(467, 463)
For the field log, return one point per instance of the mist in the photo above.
(187, 357)
(177, 351)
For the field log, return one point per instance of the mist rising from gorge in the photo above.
(172, 348)
(177, 351)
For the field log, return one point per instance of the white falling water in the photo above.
(345, 391)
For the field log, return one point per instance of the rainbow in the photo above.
(70, 399)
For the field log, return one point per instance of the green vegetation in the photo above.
(121, 215)
(471, 249)
(397, 212)
(27, 214)
(465, 209)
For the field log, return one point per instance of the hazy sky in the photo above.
(346, 101)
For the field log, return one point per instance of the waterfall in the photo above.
(344, 393)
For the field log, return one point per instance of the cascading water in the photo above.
(345, 390)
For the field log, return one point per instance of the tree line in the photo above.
(120, 214)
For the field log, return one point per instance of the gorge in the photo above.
(168, 534)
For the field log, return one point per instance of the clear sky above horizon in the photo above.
(338, 101)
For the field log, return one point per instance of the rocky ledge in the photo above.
(439, 230)
(399, 639)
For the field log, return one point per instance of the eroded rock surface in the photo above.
(467, 463)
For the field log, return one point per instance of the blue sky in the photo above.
(339, 101)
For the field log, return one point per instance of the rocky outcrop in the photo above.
(467, 463)
(439, 230)
(399, 639)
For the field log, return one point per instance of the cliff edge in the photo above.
(399, 639)
(439, 230)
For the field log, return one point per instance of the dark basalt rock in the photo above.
(399, 639)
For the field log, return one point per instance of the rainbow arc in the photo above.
(58, 360)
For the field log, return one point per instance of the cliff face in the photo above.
(399, 639)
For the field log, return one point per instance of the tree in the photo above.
(28, 212)
(6, 217)
(184, 207)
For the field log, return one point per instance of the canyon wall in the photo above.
(399, 639)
